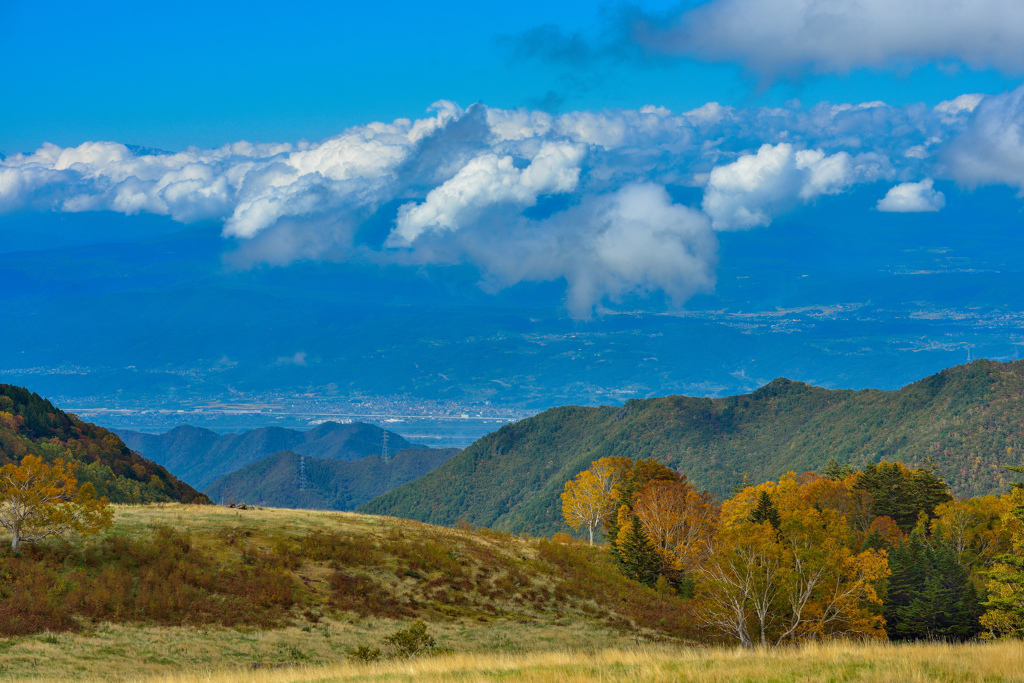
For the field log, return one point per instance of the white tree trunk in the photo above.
(15, 538)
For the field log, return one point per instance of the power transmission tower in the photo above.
(384, 447)
(302, 472)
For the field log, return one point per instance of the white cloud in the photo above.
(487, 180)
(633, 240)
(991, 148)
(747, 192)
(527, 195)
(787, 37)
(298, 359)
(958, 105)
(912, 198)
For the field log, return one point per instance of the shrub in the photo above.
(409, 642)
(365, 654)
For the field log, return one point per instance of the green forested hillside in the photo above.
(969, 419)
(200, 456)
(330, 484)
(29, 424)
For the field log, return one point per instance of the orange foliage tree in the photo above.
(679, 520)
(800, 580)
(39, 500)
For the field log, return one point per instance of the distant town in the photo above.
(434, 423)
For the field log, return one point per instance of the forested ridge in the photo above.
(968, 419)
(30, 424)
(330, 484)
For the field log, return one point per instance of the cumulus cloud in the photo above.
(632, 240)
(788, 37)
(745, 193)
(912, 198)
(527, 195)
(486, 180)
(991, 148)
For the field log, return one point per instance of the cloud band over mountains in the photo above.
(526, 195)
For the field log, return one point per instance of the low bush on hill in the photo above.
(160, 579)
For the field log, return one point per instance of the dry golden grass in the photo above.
(119, 652)
(826, 662)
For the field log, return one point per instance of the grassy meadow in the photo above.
(875, 662)
(300, 589)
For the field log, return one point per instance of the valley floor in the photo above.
(131, 654)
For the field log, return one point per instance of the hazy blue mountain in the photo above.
(200, 456)
(330, 484)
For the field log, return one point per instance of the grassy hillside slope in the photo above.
(203, 566)
(201, 456)
(331, 484)
(29, 424)
(969, 419)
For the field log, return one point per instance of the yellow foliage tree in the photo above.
(590, 498)
(976, 529)
(1004, 616)
(766, 584)
(39, 500)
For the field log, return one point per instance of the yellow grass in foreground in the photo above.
(828, 662)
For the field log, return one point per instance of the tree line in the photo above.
(883, 552)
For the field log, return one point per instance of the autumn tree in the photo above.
(975, 529)
(679, 520)
(39, 500)
(787, 573)
(634, 475)
(589, 500)
(1004, 616)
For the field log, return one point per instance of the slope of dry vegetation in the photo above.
(203, 566)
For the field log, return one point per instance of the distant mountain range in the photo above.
(30, 424)
(342, 463)
(201, 457)
(968, 419)
(330, 484)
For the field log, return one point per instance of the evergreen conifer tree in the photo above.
(833, 470)
(636, 554)
(931, 595)
(765, 511)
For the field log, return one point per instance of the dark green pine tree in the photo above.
(765, 511)
(833, 470)
(636, 555)
(903, 495)
(930, 594)
(1018, 470)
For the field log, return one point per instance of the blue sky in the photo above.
(583, 161)
(170, 75)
